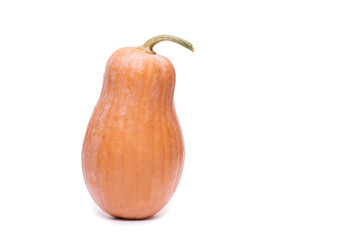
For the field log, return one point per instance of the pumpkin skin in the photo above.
(133, 151)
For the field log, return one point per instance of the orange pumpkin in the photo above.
(133, 151)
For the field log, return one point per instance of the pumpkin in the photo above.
(133, 151)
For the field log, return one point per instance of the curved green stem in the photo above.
(148, 46)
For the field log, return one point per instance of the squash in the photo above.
(133, 151)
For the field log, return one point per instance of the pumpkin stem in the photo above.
(148, 46)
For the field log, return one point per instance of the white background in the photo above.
(269, 105)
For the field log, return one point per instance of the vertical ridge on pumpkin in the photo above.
(151, 142)
(153, 112)
(108, 101)
(121, 177)
(167, 146)
(161, 122)
(156, 96)
(129, 179)
(140, 172)
(173, 125)
(132, 81)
